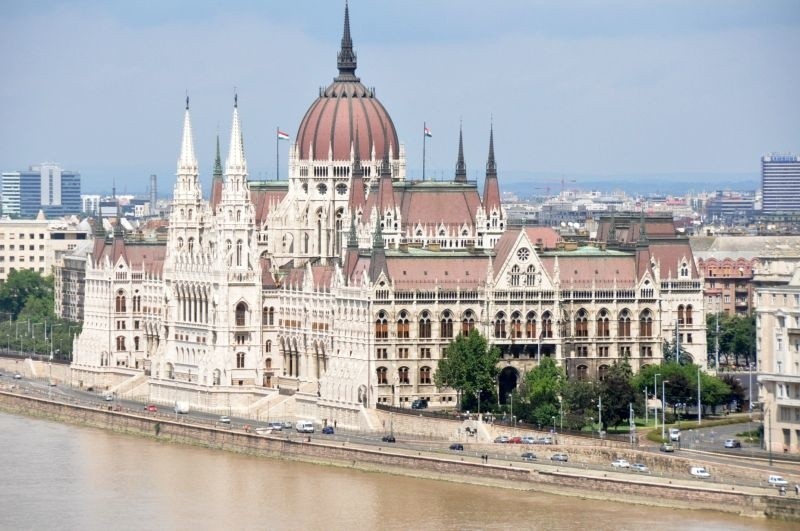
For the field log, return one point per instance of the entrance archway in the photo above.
(507, 380)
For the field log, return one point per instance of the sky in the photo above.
(577, 90)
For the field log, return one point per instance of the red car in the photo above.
(150, 407)
(515, 440)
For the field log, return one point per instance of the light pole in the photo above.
(716, 340)
(646, 420)
(561, 412)
(600, 417)
(663, 407)
(554, 425)
(511, 401)
(699, 404)
(655, 392)
(478, 398)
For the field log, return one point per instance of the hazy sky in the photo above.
(576, 88)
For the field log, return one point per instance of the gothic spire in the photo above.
(491, 188)
(461, 167)
(236, 163)
(491, 166)
(352, 239)
(218, 162)
(346, 58)
(187, 162)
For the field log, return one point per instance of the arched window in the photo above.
(514, 276)
(530, 276)
(403, 327)
(121, 305)
(688, 315)
(516, 326)
(240, 360)
(136, 343)
(216, 377)
(382, 378)
(268, 346)
(425, 325)
(228, 251)
(424, 375)
(624, 324)
(684, 272)
(680, 314)
(268, 364)
(120, 342)
(603, 328)
(402, 375)
(602, 372)
(547, 325)
(241, 312)
(446, 324)
(238, 252)
(381, 326)
(582, 323)
(467, 322)
(190, 214)
(170, 371)
(645, 324)
(271, 316)
(581, 372)
(180, 243)
(191, 243)
(530, 325)
(500, 325)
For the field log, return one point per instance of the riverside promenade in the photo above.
(586, 483)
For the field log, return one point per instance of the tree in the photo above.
(737, 337)
(618, 393)
(469, 367)
(543, 386)
(579, 397)
(21, 286)
(736, 394)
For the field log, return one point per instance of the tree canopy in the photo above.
(24, 287)
(737, 338)
(543, 386)
(618, 393)
(469, 367)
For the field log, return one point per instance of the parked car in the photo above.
(388, 438)
(419, 403)
(639, 467)
(501, 439)
(275, 426)
(528, 440)
(225, 419)
(109, 397)
(515, 440)
(327, 430)
(777, 481)
(674, 434)
(287, 425)
(699, 472)
(667, 447)
(559, 457)
(457, 447)
(620, 463)
(528, 456)
(733, 443)
(151, 407)
(17, 376)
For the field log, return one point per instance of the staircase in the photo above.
(131, 388)
(274, 406)
(370, 420)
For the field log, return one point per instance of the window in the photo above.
(383, 353)
(645, 324)
(581, 372)
(120, 303)
(268, 346)
(268, 364)
(603, 328)
(646, 351)
(602, 351)
(514, 276)
(688, 315)
(216, 377)
(402, 374)
(240, 360)
(425, 325)
(403, 327)
(425, 352)
(582, 324)
(582, 351)
(425, 375)
(382, 379)
(602, 372)
(624, 324)
(680, 314)
(241, 311)
(120, 342)
(530, 325)
(136, 343)
(467, 322)
(402, 353)
(500, 325)
(547, 325)
(381, 326)
(446, 325)
(625, 351)
(530, 276)
(516, 326)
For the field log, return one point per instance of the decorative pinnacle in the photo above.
(491, 166)
(187, 161)
(236, 163)
(357, 169)
(218, 162)
(461, 167)
(346, 58)
(187, 102)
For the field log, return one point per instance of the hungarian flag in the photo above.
(428, 132)
(282, 135)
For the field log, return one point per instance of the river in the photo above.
(57, 476)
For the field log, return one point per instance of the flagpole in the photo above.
(277, 149)
(424, 139)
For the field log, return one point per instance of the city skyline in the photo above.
(587, 90)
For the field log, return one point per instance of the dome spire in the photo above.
(461, 167)
(346, 58)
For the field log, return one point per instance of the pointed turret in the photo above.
(385, 188)
(461, 167)
(216, 180)
(377, 263)
(187, 164)
(346, 58)
(236, 165)
(351, 254)
(357, 199)
(491, 188)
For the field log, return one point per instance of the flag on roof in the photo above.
(428, 132)
(282, 135)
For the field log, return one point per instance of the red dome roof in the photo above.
(342, 109)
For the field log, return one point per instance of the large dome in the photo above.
(343, 109)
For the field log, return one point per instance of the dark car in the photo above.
(327, 430)
(528, 456)
(419, 403)
(457, 447)
(388, 438)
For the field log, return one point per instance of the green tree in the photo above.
(469, 367)
(21, 286)
(737, 338)
(579, 399)
(618, 393)
(543, 386)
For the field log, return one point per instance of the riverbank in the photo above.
(564, 481)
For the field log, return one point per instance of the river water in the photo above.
(56, 476)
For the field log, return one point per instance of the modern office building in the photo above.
(780, 183)
(45, 187)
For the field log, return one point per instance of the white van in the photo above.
(699, 472)
(777, 481)
(304, 426)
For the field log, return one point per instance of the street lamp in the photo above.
(511, 402)
(655, 392)
(646, 420)
(663, 407)
(554, 425)
(478, 398)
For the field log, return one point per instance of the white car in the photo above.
(777, 481)
(639, 467)
(620, 463)
(699, 472)
(674, 434)
(225, 419)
